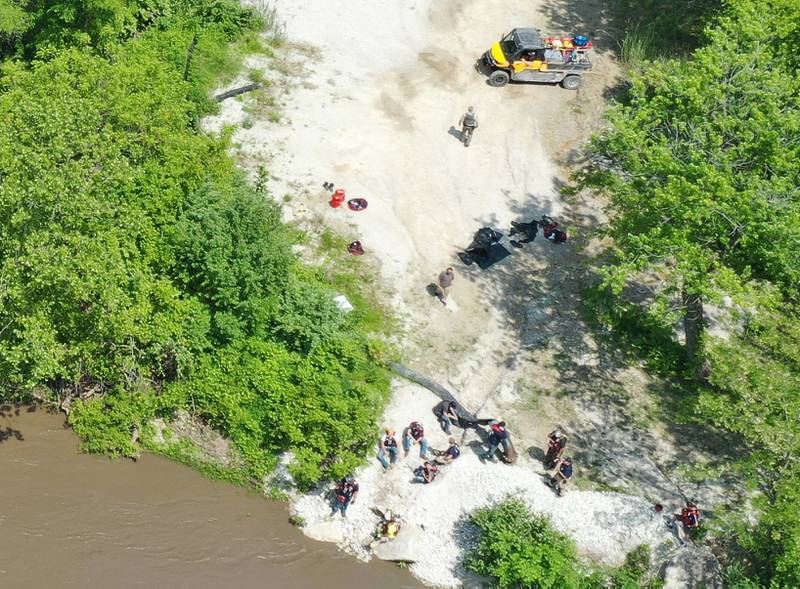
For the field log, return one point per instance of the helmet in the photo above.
(580, 40)
(349, 479)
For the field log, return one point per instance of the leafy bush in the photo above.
(521, 549)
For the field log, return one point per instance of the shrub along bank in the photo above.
(518, 548)
(139, 270)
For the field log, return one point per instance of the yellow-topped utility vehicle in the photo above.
(525, 55)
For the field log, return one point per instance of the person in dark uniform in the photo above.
(468, 122)
(529, 230)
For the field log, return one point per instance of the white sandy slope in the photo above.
(373, 117)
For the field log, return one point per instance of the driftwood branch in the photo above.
(238, 91)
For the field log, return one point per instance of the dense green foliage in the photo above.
(702, 166)
(520, 549)
(139, 269)
(45, 28)
(649, 28)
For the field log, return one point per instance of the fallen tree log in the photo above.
(238, 91)
(435, 388)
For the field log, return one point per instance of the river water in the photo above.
(75, 520)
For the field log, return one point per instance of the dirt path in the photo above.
(372, 93)
(382, 88)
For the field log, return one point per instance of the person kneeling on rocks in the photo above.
(562, 475)
(426, 473)
(388, 527)
(446, 413)
(449, 455)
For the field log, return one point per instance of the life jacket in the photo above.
(566, 469)
(690, 517)
(390, 442)
(557, 444)
(345, 491)
(470, 120)
(416, 430)
(454, 451)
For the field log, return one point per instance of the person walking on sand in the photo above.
(443, 284)
(468, 123)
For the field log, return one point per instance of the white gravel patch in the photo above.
(605, 526)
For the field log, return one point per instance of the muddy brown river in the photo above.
(75, 520)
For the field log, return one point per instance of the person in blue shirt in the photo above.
(563, 473)
(448, 455)
(387, 447)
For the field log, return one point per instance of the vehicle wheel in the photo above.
(572, 82)
(498, 78)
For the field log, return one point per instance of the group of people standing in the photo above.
(413, 435)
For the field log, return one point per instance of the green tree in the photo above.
(701, 163)
(141, 274)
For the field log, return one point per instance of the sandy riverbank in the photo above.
(380, 84)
